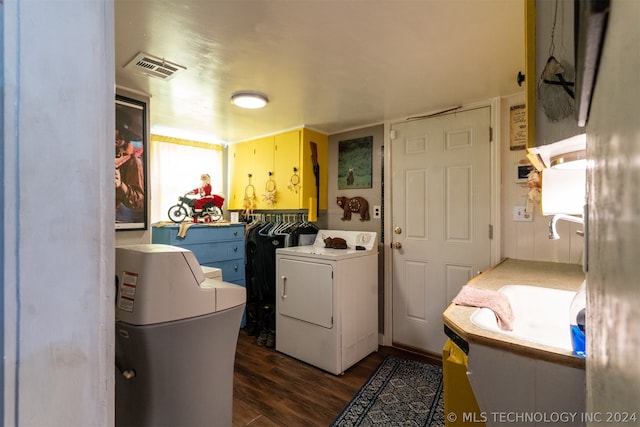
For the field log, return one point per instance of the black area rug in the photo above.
(402, 392)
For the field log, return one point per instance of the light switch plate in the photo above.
(520, 214)
(376, 211)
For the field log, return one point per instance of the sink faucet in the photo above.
(553, 234)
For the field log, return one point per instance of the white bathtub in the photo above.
(541, 315)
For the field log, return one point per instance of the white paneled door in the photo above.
(441, 219)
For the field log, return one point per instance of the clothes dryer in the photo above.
(327, 300)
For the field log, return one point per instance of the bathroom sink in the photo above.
(541, 315)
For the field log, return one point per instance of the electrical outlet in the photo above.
(520, 214)
(376, 211)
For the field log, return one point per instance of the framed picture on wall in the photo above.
(130, 164)
(518, 127)
(354, 163)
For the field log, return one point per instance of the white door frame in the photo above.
(496, 140)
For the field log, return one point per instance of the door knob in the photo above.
(396, 245)
(397, 230)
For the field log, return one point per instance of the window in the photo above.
(176, 166)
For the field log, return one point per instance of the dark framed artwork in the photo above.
(131, 164)
(354, 163)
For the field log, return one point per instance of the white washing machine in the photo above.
(327, 300)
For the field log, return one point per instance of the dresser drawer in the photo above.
(213, 252)
(196, 233)
(232, 270)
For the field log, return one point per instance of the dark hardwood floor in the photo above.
(273, 389)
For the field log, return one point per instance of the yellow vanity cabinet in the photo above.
(249, 164)
(279, 154)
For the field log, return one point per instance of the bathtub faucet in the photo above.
(553, 234)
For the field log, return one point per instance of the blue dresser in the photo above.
(220, 245)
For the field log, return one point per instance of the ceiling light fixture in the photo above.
(250, 100)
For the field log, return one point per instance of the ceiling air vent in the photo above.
(152, 66)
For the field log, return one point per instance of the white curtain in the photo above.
(175, 169)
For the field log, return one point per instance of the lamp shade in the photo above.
(569, 153)
(563, 191)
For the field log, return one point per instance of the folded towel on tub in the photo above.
(486, 298)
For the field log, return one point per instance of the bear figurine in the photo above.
(354, 204)
(335, 243)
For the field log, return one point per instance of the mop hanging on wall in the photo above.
(555, 86)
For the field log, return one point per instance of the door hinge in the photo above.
(490, 232)
(490, 134)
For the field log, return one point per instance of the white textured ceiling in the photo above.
(331, 65)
